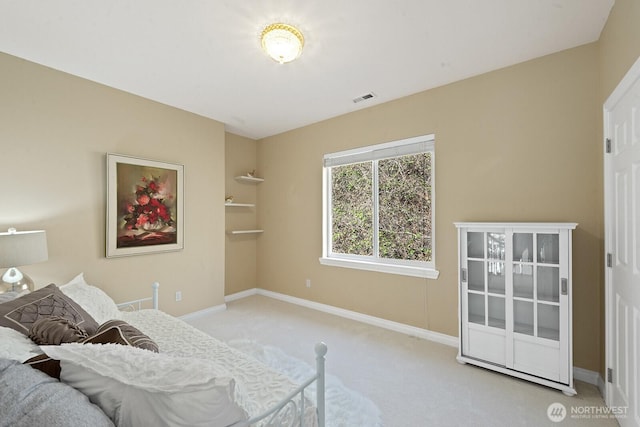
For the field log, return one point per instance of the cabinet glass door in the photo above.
(548, 285)
(486, 278)
(536, 285)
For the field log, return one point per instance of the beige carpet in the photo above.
(412, 381)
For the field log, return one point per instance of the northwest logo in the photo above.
(556, 412)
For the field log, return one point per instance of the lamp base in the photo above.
(16, 281)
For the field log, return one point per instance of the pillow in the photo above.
(46, 364)
(131, 335)
(138, 387)
(21, 313)
(55, 330)
(94, 300)
(16, 346)
(108, 336)
(30, 398)
(11, 295)
(51, 367)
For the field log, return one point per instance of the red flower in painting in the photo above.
(143, 199)
(148, 211)
(142, 220)
(159, 210)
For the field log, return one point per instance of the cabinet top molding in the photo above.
(520, 225)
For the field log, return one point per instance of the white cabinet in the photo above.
(515, 300)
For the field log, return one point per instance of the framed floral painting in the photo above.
(145, 206)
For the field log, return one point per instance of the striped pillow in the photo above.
(110, 332)
(131, 335)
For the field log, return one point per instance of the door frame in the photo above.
(609, 311)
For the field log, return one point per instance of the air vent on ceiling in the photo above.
(364, 97)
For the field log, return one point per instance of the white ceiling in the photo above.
(204, 56)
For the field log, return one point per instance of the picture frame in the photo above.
(145, 206)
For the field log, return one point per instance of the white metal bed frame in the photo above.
(289, 411)
(136, 304)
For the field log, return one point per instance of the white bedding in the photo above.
(16, 346)
(137, 387)
(258, 387)
(261, 386)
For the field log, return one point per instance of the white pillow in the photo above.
(11, 295)
(138, 387)
(16, 346)
(93, 300)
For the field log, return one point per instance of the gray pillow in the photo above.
(29, 398)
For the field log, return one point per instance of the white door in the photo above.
(622, 244)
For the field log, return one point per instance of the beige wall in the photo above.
(518, 144)
(240, 251)
(619, 44)
(55, 130)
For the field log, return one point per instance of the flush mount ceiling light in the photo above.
(282, 42)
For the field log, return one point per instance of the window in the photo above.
(378, 206)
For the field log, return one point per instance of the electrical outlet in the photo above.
(308, 283)
(178, 296)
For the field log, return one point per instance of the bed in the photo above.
(128, 365)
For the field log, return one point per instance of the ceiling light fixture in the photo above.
(282, 42)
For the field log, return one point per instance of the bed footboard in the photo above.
(290, 411)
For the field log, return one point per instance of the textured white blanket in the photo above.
(259, 386)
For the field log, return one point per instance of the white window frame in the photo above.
(415, 145)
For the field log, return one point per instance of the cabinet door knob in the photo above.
(563, 286)
(463, 275)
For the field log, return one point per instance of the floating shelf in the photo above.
(249, 179)
(241, 205)
(238, 232)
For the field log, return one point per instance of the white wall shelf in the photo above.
(244, 179)
(249, 179)
(240, 232)
(240, 205)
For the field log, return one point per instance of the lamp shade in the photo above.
(22, 247)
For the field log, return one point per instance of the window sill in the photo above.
(427, 273)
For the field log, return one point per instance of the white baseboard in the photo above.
(348, 314)
(589, 377)
(602, 386)
(200, 313)
(240, 295)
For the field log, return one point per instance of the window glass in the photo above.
(404, 219)
(352, 209)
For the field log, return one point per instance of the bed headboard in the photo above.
(136, 304)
